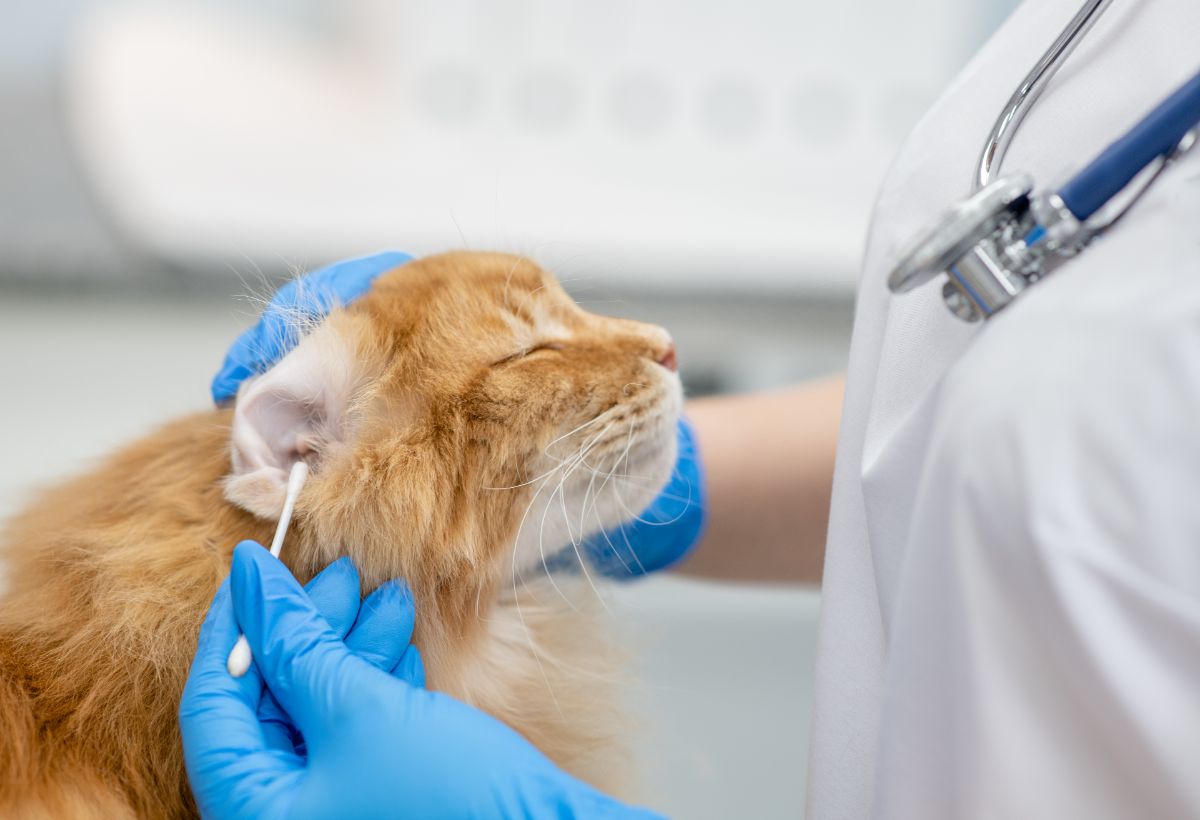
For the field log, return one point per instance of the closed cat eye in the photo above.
(528, 351)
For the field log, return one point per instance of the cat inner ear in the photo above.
(295, 411)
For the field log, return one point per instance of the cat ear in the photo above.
(294, 411)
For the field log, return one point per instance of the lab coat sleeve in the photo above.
(1044, 653)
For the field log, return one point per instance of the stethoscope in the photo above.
(1004, 237)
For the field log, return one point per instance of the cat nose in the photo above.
(668, 360)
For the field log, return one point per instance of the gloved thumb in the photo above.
(302, 660)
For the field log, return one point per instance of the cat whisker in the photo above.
(529, 507)
(612, 546)
(533, 480)
(593, 420)
(607, 477)
(595, 498)
(508, 280)
(581, 459)
(542, 547)
(524, 518)
(604, 532)
(611, 470)
(587, 495)
(537, 656)
(582, 453)
(264, 286)
(616, 494)
(637, 517)
(575, 545)
(573, 462)
(457, 227)
(546, 452)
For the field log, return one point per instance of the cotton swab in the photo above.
(239, 656)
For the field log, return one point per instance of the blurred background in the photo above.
(708, 165)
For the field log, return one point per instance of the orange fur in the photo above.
(471, 378)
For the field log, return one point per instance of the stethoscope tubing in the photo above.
(1156, 135)
(1031, 87)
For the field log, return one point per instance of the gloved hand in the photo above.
(661, 536)
(377, 629)
(375, 744)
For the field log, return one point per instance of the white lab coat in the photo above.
(1010, 621)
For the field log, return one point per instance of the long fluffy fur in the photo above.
(459, 427)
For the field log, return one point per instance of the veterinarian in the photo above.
(1011, 588)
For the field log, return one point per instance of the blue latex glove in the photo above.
(377, 629)
(311, 296)
(376, 744)
(661, 536)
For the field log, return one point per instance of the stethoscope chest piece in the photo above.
(976, 245)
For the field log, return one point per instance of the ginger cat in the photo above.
(461, 420)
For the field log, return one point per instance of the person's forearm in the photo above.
(769, 463)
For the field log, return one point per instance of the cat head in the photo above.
(463, 420)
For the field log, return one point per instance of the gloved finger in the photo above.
(385, 625)
(217, 717)
(278, 730)
(302, 660)
(342, 282)
(335, 593)
(411, 668)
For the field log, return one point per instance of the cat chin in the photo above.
(558, 518)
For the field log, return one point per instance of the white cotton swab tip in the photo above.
(240, 656)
